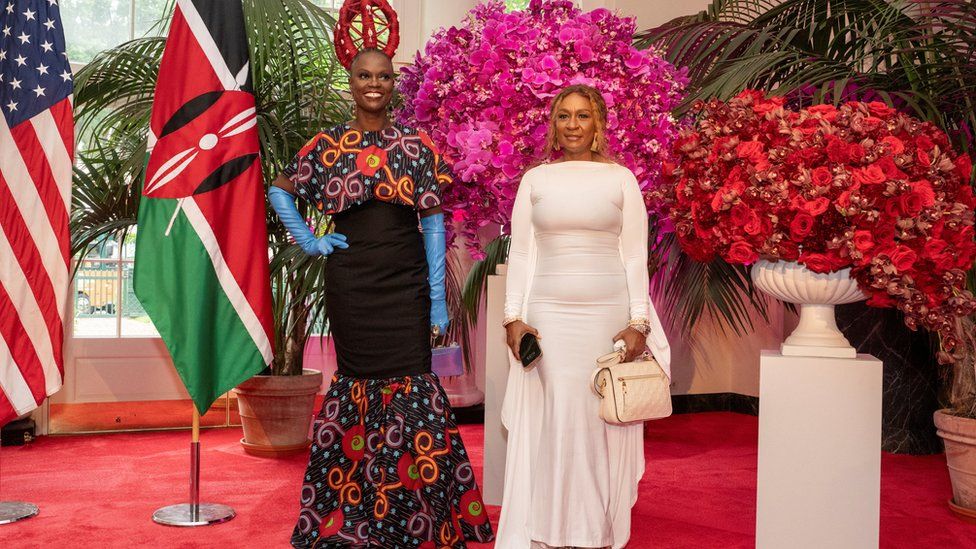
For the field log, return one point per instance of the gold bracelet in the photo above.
(510, 319)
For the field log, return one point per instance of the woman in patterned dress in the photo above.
(387, 465)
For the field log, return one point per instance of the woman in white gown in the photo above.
(577, 274)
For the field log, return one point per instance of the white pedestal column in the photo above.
(819, 452)
(496, 379)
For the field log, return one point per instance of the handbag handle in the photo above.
(615, 357)
(593, 382)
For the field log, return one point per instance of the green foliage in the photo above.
(915, 55)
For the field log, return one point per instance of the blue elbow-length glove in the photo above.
(436, 248)
(283, 202)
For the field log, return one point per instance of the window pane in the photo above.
(148, 16)
(91, 26)
(135, 320)
(332, 5)
(97, 292)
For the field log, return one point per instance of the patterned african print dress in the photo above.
(387, 465)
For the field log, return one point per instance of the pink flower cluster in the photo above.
(482, 91)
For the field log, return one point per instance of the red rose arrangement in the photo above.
(860, 185)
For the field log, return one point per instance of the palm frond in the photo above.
(496, 253)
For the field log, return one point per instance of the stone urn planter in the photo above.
(276, 412)
(816, 294)
(959, 435)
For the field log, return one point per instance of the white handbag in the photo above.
(631, 391)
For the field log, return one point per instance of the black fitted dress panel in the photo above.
(377, 295)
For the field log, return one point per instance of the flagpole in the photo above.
(194, 513)
(12, 511)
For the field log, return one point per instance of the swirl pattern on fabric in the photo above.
(343, 167)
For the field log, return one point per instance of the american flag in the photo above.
(36, 151)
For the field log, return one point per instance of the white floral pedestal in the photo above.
(816, 294)
(819, 470)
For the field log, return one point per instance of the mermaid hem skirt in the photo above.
(388, 469)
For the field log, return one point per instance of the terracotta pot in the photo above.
(959, 435)
(276, 412)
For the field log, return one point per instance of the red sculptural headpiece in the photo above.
(364, 24)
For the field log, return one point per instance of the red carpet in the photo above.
(699, 490)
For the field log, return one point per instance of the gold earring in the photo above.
(595, 146)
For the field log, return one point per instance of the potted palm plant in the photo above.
(298, 88)
(916, 56)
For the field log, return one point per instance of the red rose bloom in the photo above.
(923, 158)
(944, 262)
(354, 442)
(371, 160)
(821, 263)
(816, 206)
(934, 247)
(878, 108)
(331, 524)
(745, 217)
(903, 258)
(911, 203)
(872, 123)
(856, 152)
(822, 109)
(872, 175)
(801, 226)
(863, 241)
(751, 150)
(741, 252)
(822, 176)
(924, 189)
(897, 146)
(844, 200)
(889, 168)
(838, 151)
(788, 250)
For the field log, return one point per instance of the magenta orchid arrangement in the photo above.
(482, 92)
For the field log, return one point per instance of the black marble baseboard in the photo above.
(715, 402)
(911, 375)
(470, 414)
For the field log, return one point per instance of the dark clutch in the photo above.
(529, 350)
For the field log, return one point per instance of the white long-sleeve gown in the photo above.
(577, 272)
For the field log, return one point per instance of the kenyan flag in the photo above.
(201, 269)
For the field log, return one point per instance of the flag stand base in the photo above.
(12, 511)
(182, 514)
(193, 513)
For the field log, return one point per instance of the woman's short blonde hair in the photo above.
(597, 104)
